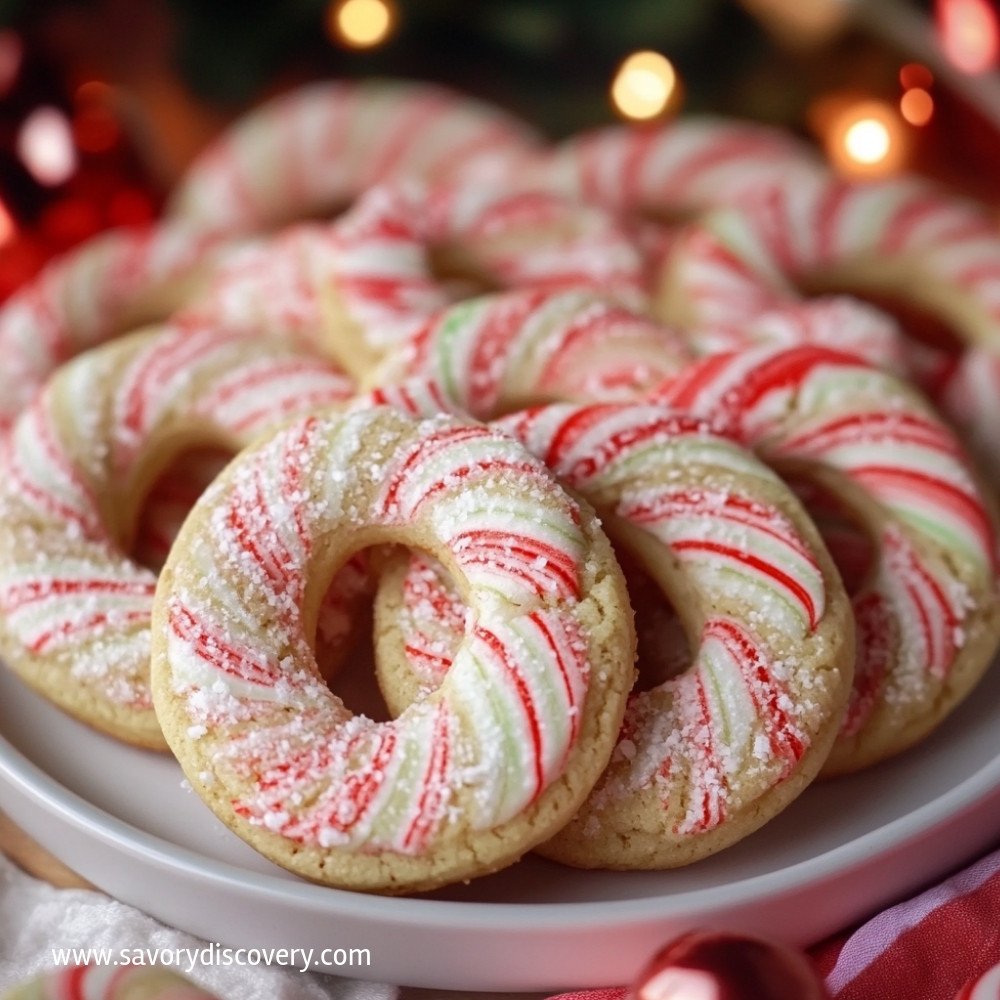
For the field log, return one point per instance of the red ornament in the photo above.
(710, 966)
(985, 987)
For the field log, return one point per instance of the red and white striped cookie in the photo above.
(464, 781)
(674, 170)
(314, 150)
(486, 238)
(927, 611)
(928, 257)
(709, 755)
(108, 982)
(109, 285)
(367, 277)
(490, 355)
(74, 606)
(532, 239)
(840, 322)
(657, 175)
(970, 396)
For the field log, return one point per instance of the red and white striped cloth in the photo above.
(941, 945)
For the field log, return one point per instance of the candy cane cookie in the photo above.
(496, 353)
(464, 781)
(488, 240)
(930, 258)
(709, 755)
(675, 170)
(111, 284)
(840, 322)
(369, 274)
(927, 612)
(658, 175)
(109, 982)
(313, 151)
(74, 607)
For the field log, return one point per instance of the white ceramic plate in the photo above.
(122, 818)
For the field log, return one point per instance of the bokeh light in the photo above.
(643, 86)
(917, 106)
(8, 228)
(867, 139)
(915, 75)
(362, 24)
(45, 146)
(970, 34)
(11, 54)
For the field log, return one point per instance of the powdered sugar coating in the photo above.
(711, 744)
(75, 609)
(929, 604)
(313, 150)
(236, 663)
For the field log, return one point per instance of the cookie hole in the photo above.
(343, 640)
(850, 544)
(436, 615)
(459, 273)
(168, 502)
(663, 647)
(322, 212)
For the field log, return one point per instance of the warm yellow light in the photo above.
(363, 24)
(867, 139)
(643, 85)
(917, 106)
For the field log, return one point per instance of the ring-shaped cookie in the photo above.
(314, 150)
(110, 982)
(656, 175)
(672, 171)
(485, 238)
(74, 607)
(113, 283)
(840, 322)
(928, 614)
(464, 781)
(930, 258)
(497, 353)
(707, 756)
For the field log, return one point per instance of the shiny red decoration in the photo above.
(716, 966)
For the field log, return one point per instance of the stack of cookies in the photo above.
(666, 460)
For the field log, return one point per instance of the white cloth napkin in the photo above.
(35, 918)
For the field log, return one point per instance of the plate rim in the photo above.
(47, 792)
